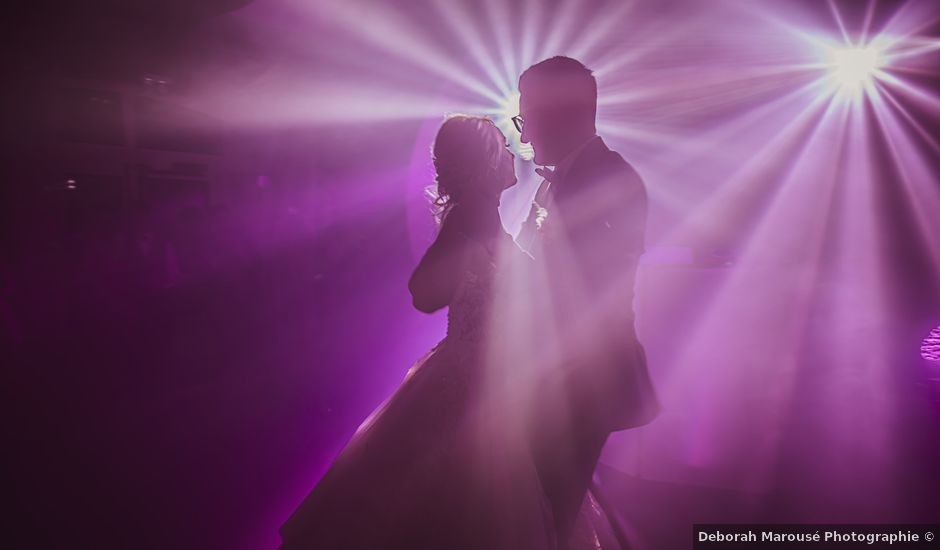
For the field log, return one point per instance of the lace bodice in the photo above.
(467, 316)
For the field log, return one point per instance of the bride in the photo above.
(444, 463)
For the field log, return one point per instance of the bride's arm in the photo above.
(434, 281)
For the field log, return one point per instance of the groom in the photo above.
(586, 229)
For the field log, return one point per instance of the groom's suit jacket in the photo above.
(587, 231)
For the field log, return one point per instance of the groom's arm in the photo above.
(529, 229)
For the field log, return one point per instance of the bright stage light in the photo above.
(509, 108)
(854, 68)
(930, 348)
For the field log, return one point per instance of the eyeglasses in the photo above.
(518, 121)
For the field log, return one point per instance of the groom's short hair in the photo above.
(563, 82)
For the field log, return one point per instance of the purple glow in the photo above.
(763, 142)
(248, 308)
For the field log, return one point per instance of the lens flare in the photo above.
(854, 68)
(509, 108)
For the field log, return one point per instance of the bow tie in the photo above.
(548, 173)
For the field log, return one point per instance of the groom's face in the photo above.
(540, 128)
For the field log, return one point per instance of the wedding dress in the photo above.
(443, 463)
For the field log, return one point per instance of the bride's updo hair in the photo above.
(465, 153)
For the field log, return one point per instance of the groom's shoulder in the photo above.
(613, 171)
(615, 164)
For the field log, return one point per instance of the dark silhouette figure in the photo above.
(473, 167)
(442, 463)
(586, 229)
